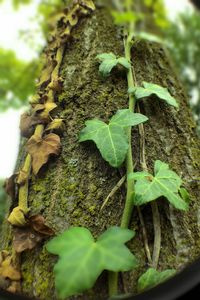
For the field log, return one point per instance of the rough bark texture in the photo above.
(70, 189)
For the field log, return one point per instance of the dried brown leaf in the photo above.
(38, 224)
(7, 270)
(10, 185)
(56, 84)
(27, 123)
(41, 148)
(15, 287)
(46, 73)
(25, 239)
(43, 110)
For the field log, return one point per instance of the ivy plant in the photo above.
(149, 89)
(153, 277)
(111, 139)
(82, 259)
(109, 61)
(164, 183)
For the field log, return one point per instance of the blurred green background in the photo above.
(179, 25)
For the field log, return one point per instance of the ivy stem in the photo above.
(128, 209)
(23, 190)
(129, 204)
(154, 205)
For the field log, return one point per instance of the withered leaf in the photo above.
(56, 124)
(10, 185)
(46, 73)
(56, 84)
(15, 287)
(17, 217)
(7, 270)
(35, 99)
(22, 177)
(43, 110)
(38, 224)
(25, 239)
(27, 123)
(41, 148)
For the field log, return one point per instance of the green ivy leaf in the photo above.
(149, 37)
(111, 139)
(150, 89)
(109, 61)
(82, 259)
(152, 278)
(121, 18)
(165, 183)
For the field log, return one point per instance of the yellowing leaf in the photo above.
(43, 110)
(17, 217)
(46, 73)
(41, 148)
(22, 177)
(55, 124)
(7, 270)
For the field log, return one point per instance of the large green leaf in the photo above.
(165, 183)
(152, 278)
(150, 89)
(111, 139)
(109, 61)
(82, 259)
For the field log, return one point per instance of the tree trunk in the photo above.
(71, 188)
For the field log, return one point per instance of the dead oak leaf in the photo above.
(37, 222)
(26, 239)
(41, 148)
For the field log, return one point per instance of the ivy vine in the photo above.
(81, 257)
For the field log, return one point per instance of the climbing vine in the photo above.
(82, 258)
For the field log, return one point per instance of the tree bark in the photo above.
(71, 188)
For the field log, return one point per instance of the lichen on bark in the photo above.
(71, 189)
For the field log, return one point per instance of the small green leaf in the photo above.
(126, 118)
(111, 139)
(149, 37)
(82, 259)
(184, 195)
(105, 56)
(150, 89)
(165, 183)
(124, 62)
(152, 278)
(109, 61)
(121, 18)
